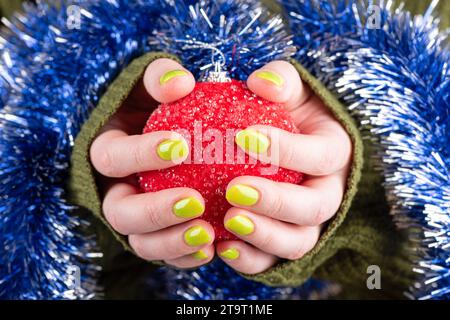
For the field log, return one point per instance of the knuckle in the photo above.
(298, 252)
(176, 250)
(276, 207)
(138, 246)
(112, 216)
(327, 205)
(153, 216)
(347, 147)
(289, 156)
(321, 215)
(267, 242)
(138, 157)
(326, 162)
(103, 160)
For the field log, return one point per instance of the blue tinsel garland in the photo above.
(52, 77)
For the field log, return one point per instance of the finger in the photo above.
(115, 154)
(245, 258)
(323, 152)
(130, 212)
(309, 204)
(279, 82)
(193, 260)
(173, 242)
(166, 80)
(279, 238)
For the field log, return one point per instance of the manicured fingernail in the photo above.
(230, 254)
(166, 77)
(242, 195)
(200, 255)
(196, 236)
(252, 140)
(172, 149)
(188, 208)
(240, 224)
(271, 76)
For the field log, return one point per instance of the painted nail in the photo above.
(172, 149)
(252, 140)
(230, 254)
(188, 208)
(242, 195)
(200, 255)
(166, 77)
(271, 76)
(196, 236)
(240, 224)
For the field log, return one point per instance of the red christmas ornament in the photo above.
(208, 118)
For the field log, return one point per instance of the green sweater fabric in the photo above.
(361, 234)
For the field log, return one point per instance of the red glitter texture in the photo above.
(218, 106)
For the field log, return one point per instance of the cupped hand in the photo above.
(285, 220)
(163, 225)
(282, 221)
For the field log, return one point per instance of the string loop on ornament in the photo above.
(219, 74)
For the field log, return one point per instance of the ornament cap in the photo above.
(219, 74)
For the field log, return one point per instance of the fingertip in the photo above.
(166, 80)
(199, 233)
(194, 260)
(228, 250)
(203, 255)
(279, 82)
(243, 257)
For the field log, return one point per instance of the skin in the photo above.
(287, 217)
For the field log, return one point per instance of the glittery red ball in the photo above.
(208, 118)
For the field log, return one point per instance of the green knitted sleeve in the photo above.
(360, 234)
(8, 7)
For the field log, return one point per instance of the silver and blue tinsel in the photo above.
(51, 77)
(394, 79)
(242, 35)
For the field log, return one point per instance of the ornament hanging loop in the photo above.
(219, 74)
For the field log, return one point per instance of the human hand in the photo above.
(284, 220)
(161, 225)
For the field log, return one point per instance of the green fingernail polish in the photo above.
(241, 225)
(200, 255)
(171, 149)
(188, 208)
(166, 77)
(242, 195)
(271, 76)
(230, 254)
(196, 236)
(252, 141)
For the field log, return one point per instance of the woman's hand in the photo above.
(162, 225)
(284, 220)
